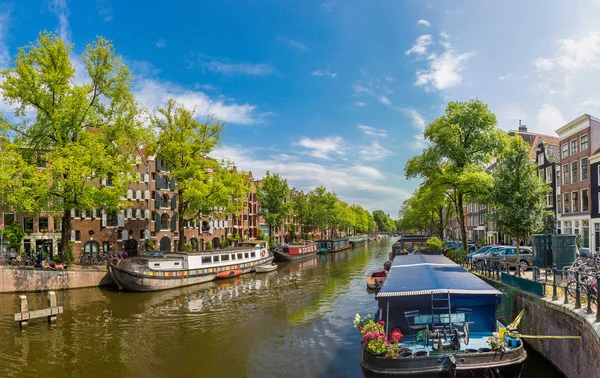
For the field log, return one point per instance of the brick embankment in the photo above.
(20, 279)
(573, 357)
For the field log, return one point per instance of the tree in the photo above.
(85, 133)
(322, 205)
(384, 223)
(428, 209)
(548, 223)
(271, 197)
(205, 186)
(462, 143)
(300, 210)
(518, 194)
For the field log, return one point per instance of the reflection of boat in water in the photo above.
(159, 271)
(375, 279)
(453, 310)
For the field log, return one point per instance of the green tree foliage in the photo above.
(300, 210)
(14, 233)
(88, 131)
(205, 186)
(548, 223)
(462, 143)
(518, 194)
(271, 196)
(383, 222)
(363, 220)
(322, 206)
(428, 209)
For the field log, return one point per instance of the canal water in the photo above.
(294, 322)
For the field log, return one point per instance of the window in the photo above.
(584, 142)
(558, 204)
(77, 235)
(224, 257)
(541, 159)
(574, 171)
(584, 169)
(105, 247)
(43, 224)
(57, 224)
(76, 213)
(586, 234)
(558, 175)
(206, 260)
(573, 147)
(216, 259)
(566, 203)
(565, 150)
(164, 222)
(109, 179)
(28, 224)
(568, 228)
(584, 200)
(142, 235)
(119, 234)
(245, 255)
(549, 199)
(549, 175)
(541, 173)
(90, 248)
(575, 202)
(566, 174)
(111, 219)
(252, 254)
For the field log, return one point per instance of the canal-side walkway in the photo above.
(27, 279)
(553, 313)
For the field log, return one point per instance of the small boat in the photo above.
(229, 273)
(291, 252)
(322, 250)
(375, 279)
(357, 242)
(444, 317)
(167, 270)
(265, 268)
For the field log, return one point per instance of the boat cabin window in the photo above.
(253, 254)
(412, 246)
(156, 265)
(240, 256)
(233, 256)
(246, 255)
(215, 259)
(176, 263)
(224, 257)
(263, 245)
(206, 260)
(328, 244)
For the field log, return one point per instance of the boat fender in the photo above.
(264, 253)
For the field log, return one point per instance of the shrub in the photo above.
(188, 247)
(481, 242)
(457, 256)
(208, 246)
(434, 244)
(260, 236)
(225, 244)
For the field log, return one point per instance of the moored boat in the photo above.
(322, 250)
(357, 242)
(375, 279)
(446, 319)
(335, 245)
(167, 270)
(265, 268)
(228, 274)
(291, 252)
(409, 244)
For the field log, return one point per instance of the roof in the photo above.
(431, 274)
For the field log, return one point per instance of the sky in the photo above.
(336, 93)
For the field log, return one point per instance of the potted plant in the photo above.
(496, 344)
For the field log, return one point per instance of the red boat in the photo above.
(228, 273)
(291, 252)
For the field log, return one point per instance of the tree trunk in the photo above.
(65, 234)
(461, 222)
(518, 257)
(441, 220)
(270, 234)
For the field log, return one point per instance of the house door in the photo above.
(44, 247)
(596, 236)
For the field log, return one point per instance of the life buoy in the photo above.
(264, 253)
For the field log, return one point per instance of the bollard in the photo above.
(566, 301)
(535, 273)
(589, 300)
(518, 270)
(577, 291)
(554, 293)
(52, 304)
(24, 308)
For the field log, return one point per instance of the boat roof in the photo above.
(431, 274)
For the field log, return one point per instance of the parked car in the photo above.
(480, 250)
(509, 254)
(478, 257)
(584, 252)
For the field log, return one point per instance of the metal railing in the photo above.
(577, 286)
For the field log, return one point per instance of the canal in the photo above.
(294, 322)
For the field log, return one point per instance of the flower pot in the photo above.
(484, 350)
(373, 353)
(405, 355)
(470, 351)
(421, 353)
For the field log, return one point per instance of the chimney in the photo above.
(522, 128)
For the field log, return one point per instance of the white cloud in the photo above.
(152, 93)
(373, 152)
(420, 46)
(324, 73)
(574, 54)
(373, 88)
(60, 9)
(328, 5)
(549, 118)
(543, 64)
(418, 142)
(161, 43)
(355, 183)
(504, 77)
(372, 131)
(424, 23)
(444, 69)
(295, 44)
(4, 52)
(389, 79)
(230, 68)
(384, 100)
(443, 35)
(104, 10)
(322, 148)
(360, 103)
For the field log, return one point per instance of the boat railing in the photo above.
(576, 284)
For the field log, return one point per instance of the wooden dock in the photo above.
(51, 312)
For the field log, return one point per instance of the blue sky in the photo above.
(337, 93)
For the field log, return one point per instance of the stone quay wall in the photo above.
(573, 357)
(20, 279)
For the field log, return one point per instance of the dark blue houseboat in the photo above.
(446, 315)
(334, 245)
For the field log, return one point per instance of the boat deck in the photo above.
(477, 341)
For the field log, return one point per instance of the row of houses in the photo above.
(569, 163)
(149, 223)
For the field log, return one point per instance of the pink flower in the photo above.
(381, 322)
(360, 329)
